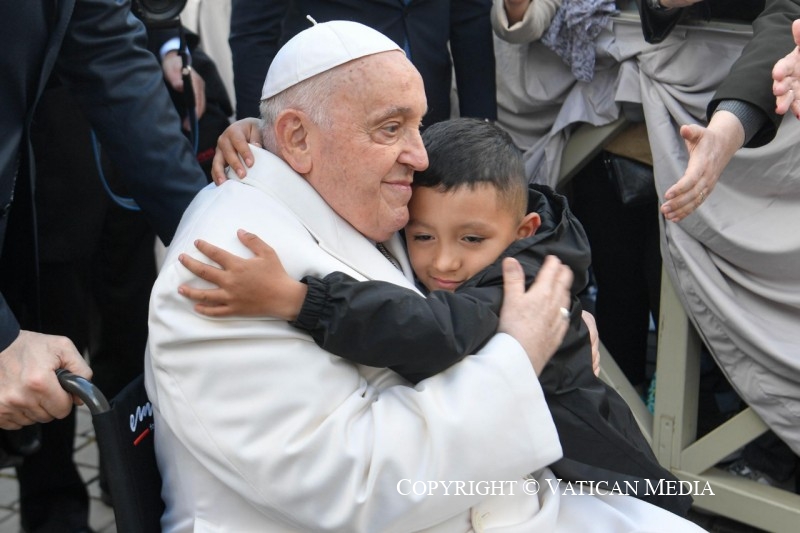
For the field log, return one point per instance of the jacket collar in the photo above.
(333, 234)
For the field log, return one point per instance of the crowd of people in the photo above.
(372, 292)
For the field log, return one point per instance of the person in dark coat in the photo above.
(97, 50)
(428, 31)
(468, 212)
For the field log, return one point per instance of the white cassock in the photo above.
(258, 429)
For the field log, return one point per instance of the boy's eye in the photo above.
(474, 239)
(422, 237)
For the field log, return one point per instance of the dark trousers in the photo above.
(626, 261)
(100, 303)
(96, 267)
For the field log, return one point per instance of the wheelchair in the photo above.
(124, 432)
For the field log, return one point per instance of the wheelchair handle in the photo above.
(84, 389)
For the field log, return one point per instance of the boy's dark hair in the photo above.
(465, 152)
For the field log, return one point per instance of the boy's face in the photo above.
(454, 235)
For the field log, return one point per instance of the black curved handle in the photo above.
(84, 389)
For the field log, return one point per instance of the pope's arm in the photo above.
(304, 436)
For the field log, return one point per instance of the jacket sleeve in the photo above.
(9, 327)
(380, 324)
(750, 78)
(119, 85)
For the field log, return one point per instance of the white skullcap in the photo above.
(319, 48)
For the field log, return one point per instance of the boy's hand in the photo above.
(258, 286)
(232, 143)
(534, 317)
(594, 338)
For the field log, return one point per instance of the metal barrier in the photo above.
(672, 429)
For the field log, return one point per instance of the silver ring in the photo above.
(702, 196)
(565, 314)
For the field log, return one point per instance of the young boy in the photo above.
(470, 209)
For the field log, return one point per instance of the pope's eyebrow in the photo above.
(394, 111)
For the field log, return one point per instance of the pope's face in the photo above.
(363, 164)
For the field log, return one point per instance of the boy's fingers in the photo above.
(218, 168)
(230, 156)
(222, 257)
(207, 297)
(254, 243)
(200, 269)
(212, 310)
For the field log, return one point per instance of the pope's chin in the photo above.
(394, 220)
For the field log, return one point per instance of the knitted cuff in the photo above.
(751, 117)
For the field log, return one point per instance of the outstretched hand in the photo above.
(234, 143)
(786, 76)
(710, 150)
(258, 286)
(534, 317)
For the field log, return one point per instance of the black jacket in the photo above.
(750, 78)
(419, 337)
(98, 50)
(380, 324)
(258, 28)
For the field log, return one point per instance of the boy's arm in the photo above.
(368, 322)
(380, 324)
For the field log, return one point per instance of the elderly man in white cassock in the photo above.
(258, 429)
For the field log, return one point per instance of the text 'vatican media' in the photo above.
(661, 487)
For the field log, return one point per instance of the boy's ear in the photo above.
(529, 225)
(292, 135)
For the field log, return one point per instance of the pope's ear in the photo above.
(291, 133)
(529, 225)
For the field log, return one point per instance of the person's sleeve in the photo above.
(750, 78)
(472, 49)
(657, 24)
(380, 324)
(120, 88)
(255, 35)
(161, 41)
(534, 23)
(9, 327)
(750, 116)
